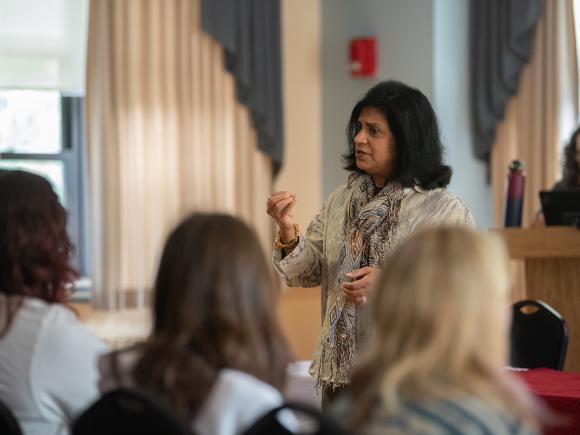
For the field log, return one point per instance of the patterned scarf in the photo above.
(373, 220)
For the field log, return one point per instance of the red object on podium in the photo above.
(516, 181)
(363, 57)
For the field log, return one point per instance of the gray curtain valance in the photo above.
(249, 31)
(501, 45)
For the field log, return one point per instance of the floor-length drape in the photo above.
(543, 113)
(165, 137)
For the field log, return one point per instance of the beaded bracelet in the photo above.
(279, 244)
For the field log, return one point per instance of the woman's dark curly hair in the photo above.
(415, 129)
(35, 248)
(570, 167)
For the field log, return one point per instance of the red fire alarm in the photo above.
(363, 57)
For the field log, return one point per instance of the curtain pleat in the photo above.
(165, 137)
(501, 36)
(249, 32)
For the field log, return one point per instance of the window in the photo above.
(41, 132)
(43, 47)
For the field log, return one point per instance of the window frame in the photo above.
(72, 157)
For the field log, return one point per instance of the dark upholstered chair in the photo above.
(8, 423)
(126, 412)
(539, 336)
(312, 422)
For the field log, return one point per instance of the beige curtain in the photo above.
(543, 113)
(165, 137)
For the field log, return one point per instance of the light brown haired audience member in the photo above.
(48, 359)
(216, 353)
(437, 363)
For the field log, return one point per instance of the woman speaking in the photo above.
(396, 185)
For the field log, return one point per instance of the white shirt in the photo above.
(48, 366)
(234, 403)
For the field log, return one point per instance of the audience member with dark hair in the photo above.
(216, 353)
(48, 360)
(570, 173)
(571, 164)
(437, 361)
(396, 186)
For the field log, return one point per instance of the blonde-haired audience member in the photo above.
(437, 364)
(216, 354)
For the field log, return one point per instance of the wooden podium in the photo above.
(551, 258)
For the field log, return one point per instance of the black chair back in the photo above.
(126, 412)
(539, 336)
(309, 421)
(8, 423)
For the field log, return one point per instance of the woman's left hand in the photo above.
(359, 289)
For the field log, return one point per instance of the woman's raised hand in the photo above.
(280, 206)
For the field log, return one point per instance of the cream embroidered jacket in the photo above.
(315, 260)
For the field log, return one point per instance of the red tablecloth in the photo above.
(561, 392)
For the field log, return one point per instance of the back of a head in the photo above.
(34, 245)
(441, 313)
(571, 161)
(444, 297)
(214, 306)
(415, 129)
(212, 277)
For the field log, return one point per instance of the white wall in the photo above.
(452, 103)
(422, 43)
(404, 53)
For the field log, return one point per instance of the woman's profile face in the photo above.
(375, 149)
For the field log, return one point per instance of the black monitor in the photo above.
(561, 207)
